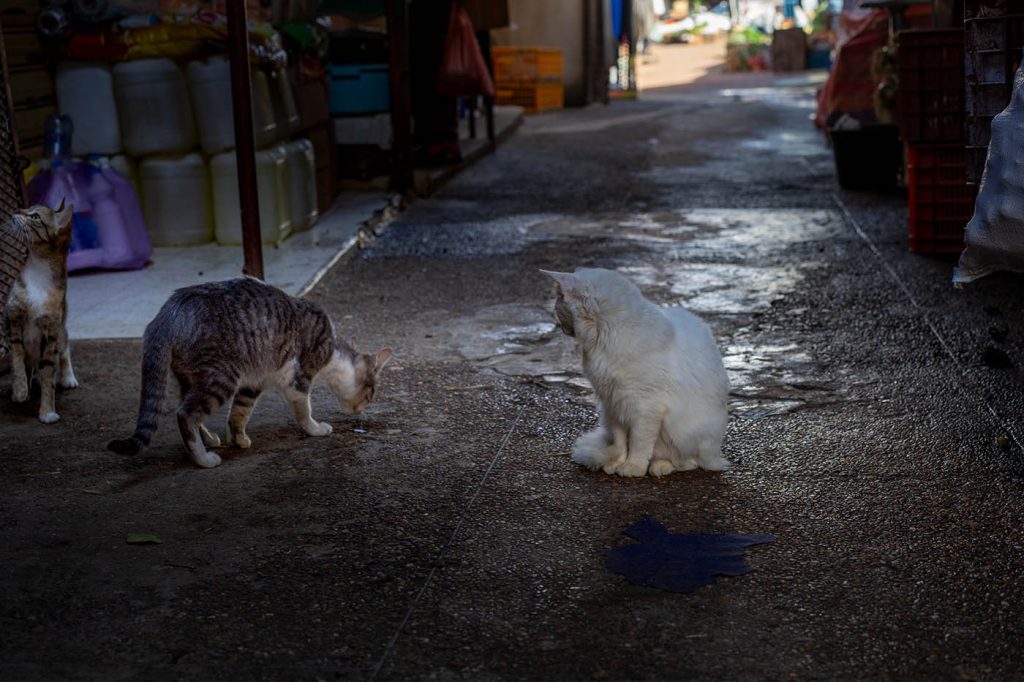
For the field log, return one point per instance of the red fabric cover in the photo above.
(850, 86)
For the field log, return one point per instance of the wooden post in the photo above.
(245, 147)
(401, 96)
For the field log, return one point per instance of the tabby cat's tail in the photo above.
(156, 361)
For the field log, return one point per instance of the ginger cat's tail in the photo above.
(156, 360)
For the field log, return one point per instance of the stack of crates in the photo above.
(994, 40)
(530, 77)
(931, 119)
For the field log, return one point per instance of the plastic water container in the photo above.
(85, 93)
(272, 185)
(286, 113)
(264, 125)
(209, 84)
(154, 107)
(301, 183)
(126, 167)
(176, 200)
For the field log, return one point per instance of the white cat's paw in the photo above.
(49, 417)
(240, 440)
(69, 382)
(319, 429)
(19, 394)
(661, 467)
(632, 468)
(613, 460)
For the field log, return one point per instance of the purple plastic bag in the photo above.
(108, 231)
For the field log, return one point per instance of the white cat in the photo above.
(657, 373)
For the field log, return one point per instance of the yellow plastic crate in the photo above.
(526, 63)
(533, 97)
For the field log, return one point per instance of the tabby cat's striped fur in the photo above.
(37, 308)
(234, 339)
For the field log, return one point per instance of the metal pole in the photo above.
(401, 107)
(245, 147)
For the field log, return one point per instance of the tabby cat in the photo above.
(37, 308)
(234, 339)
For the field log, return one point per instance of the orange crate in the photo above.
(533, 97)
(526, 64)
(940, 201)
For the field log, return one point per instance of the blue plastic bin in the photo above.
(359, 88)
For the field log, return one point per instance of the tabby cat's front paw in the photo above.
(210, 439)
(49, 417)
(69, 381)
(19, 394)
(319, 429)
(239, 440)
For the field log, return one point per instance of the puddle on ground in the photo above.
(788, 143)
(722, 264)
(719, 288)
(795, 97)
(773, 378)
(518, 340)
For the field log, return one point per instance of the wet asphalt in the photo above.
(446, 535)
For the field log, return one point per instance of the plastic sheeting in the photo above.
(995, 235)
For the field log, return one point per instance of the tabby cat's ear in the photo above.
(62, 216)
(382, 358)
(566, 281)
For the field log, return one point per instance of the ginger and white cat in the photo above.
(37, 310)
(657, 373)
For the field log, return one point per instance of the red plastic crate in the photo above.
(931, 92)
(940, 200)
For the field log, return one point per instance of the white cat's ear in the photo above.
(566, 281)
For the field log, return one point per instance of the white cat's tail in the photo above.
(709, 455)
(591, 449)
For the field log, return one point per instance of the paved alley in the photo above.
(446, 535)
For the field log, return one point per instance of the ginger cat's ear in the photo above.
(382, 358)
(566, 281)
(62, 215)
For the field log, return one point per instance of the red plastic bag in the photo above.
(463, 69)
